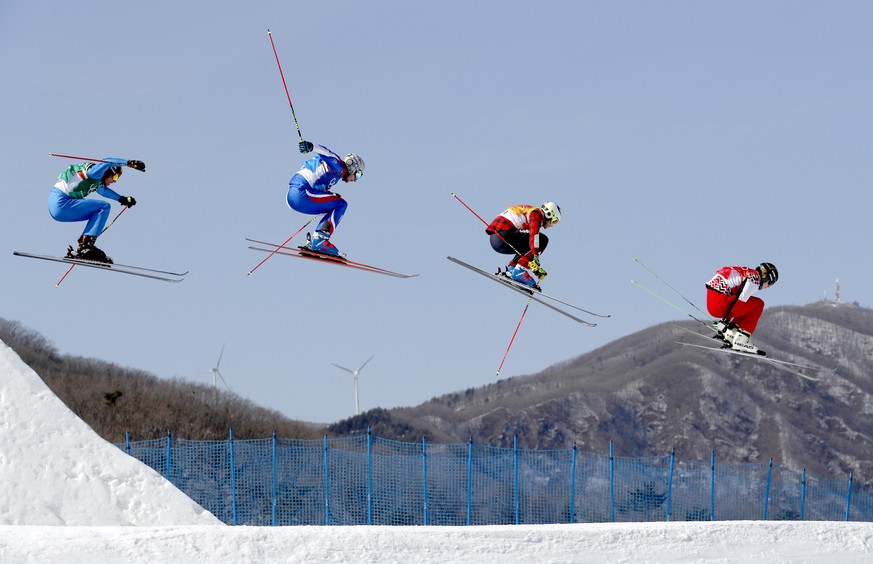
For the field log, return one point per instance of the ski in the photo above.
(163, 275)
(781, 365)
(524, 290)
(790, 367)
(300, 252)
(539, 292)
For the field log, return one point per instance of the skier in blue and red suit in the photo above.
(309, 192)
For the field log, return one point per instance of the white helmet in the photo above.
(355, 165)
(552, 212)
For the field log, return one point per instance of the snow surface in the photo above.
(67, 495)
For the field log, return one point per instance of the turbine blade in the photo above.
(344, 368)
(223, 380)
(217, 364)
(365, 363)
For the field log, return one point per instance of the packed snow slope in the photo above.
(54, 470)
(690, 542)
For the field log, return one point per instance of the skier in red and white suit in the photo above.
(729, 297)
(518, 231)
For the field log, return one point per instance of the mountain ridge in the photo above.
(647, 395)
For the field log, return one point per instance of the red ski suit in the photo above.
(729, 294)
(518, 231)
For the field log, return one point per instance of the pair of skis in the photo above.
(154, 274)
(720, 346)
(534, 294)
(800, 370)
(304, 253)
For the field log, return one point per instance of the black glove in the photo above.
(305, 146)
(128, 201)
(138, 165)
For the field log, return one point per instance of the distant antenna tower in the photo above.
(837, 293)
(355, 374)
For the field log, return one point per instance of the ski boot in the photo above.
(87, 250)
(521, 275)
(721, 327)
(740, 340)
(319, 242)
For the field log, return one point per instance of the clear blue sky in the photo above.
(688, 134)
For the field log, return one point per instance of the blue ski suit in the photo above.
(68, 201)
(309, 189)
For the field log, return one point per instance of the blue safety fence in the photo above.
(367, 480)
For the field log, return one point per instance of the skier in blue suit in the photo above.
(309, 191)
(68, 200)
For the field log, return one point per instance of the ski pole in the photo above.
(455, 196)
(123, 209)
(512, 340)
(281, 74)
(83, 159)
(678, 293)
(305, 225)
(668, 302)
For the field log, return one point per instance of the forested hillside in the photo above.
(115, 400)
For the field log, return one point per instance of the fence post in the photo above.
(767, 490)
(232, 476)
(803, 495)
(127, 442)
(611, 484)
(712, 485)
(469, 479)
(369, 477)
(275, 478)
(849, 495)
(573, 486)
(326, 484)
(424, 477)
(670, 482)
(515, 475)
(168, 462)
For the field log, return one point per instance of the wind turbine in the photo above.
(355, 374)
(217, 374)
